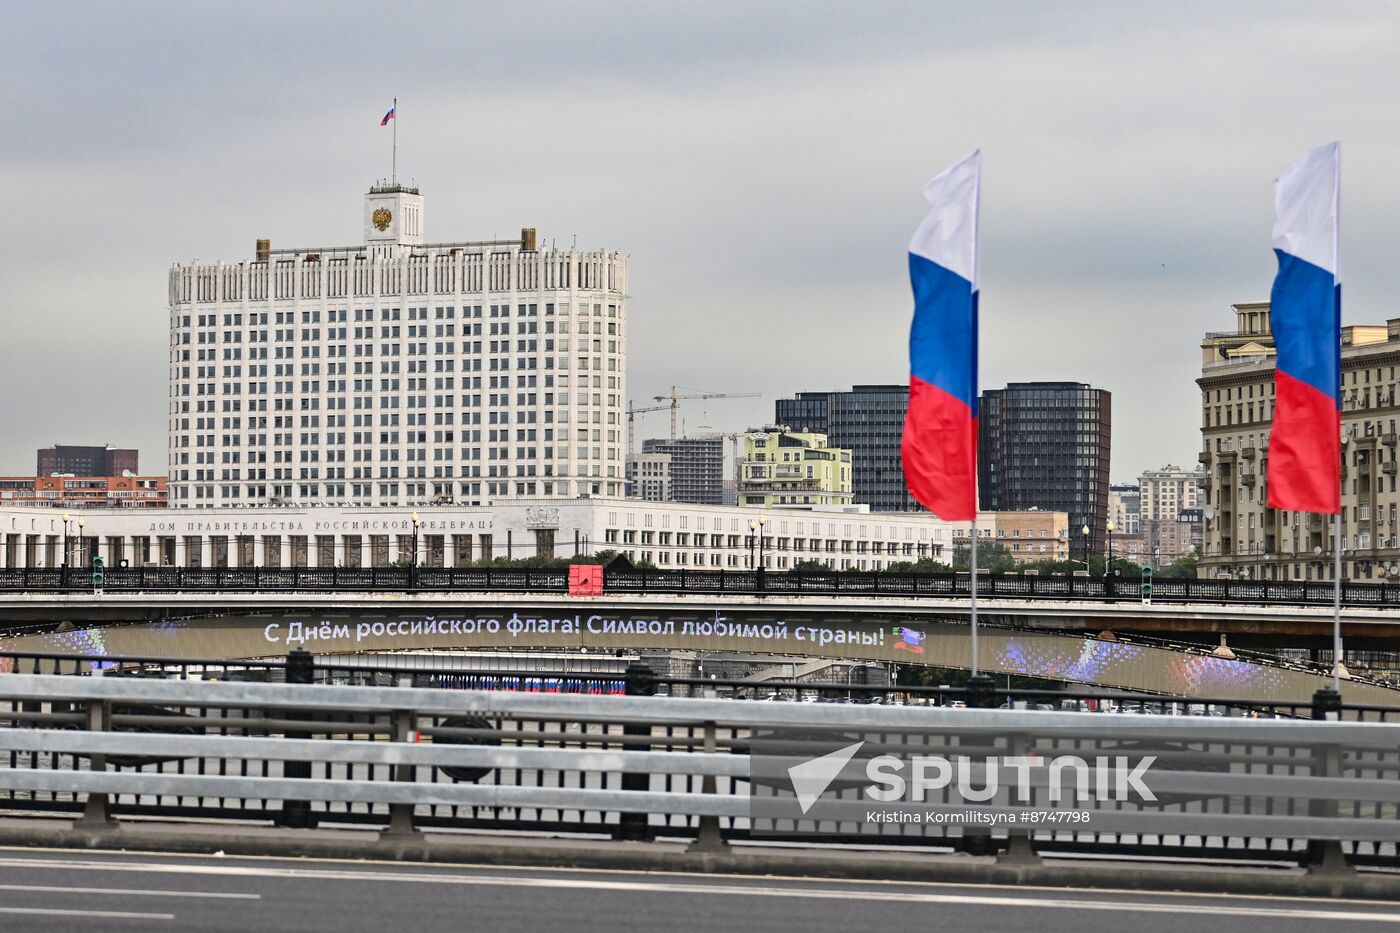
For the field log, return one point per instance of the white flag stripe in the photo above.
(948, 234)
(1306, 206)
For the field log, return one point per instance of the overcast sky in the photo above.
(761, 164)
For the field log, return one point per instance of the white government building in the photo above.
(397, 372)
(672, 535)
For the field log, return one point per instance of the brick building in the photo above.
(80, 492)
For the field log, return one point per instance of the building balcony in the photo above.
(784, 486)
(1247, 452)
(1389, 440)
(1204, 457)
(1388, 468)
(1247, 479)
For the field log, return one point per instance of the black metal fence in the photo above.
(592, 675)
(509, 580)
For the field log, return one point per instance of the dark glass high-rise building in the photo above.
(86, 461)
(869, 422)
(1045, 445)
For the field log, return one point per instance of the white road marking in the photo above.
(98, 914)
(665, 887)
(135, 892)
(741, 877)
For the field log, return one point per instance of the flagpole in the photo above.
(1337, 610)
(395, 121)
(1341, 509)
(974, 594)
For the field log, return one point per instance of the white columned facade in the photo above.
(666, 534)
(399, 372)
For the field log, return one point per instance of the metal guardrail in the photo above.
(593, 675)
(637, 766)
(671, 582)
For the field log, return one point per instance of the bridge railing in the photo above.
(640, 766)
(668, 582)
(601, 675)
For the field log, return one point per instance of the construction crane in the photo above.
(674, 398)
(631, 412)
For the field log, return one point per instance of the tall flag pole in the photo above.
(392, 117)
(939, 446)
(1306, 318)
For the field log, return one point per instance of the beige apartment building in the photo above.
(1162, 494)
(1031, 535)
(1242, 537)
(793, 469)
(1169, 503)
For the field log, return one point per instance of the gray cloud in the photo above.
(760, 162)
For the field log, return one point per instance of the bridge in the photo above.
(599, 786)
(1107, 632)
(1067, 641)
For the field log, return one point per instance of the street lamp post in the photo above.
(757, 528)
(1085, 533)
(762, 568)
(413, 560)
(1108, 567)
(66, 520)
(82, 523)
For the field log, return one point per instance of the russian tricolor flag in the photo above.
(388, 116)
(940, 428)
(1306, 319)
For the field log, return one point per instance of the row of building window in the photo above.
(441, 312)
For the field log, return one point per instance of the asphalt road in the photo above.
(97, 892)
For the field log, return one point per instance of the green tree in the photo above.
(1184, 567)
(992, 556)
(810, 566)
(601, 557)
(922, 565)
(543, 563)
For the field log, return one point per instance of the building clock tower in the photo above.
(393, 216)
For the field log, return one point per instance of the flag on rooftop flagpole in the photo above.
(940, 427)
(1306, 320)
(388, 116)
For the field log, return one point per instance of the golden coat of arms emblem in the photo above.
(381, 218)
